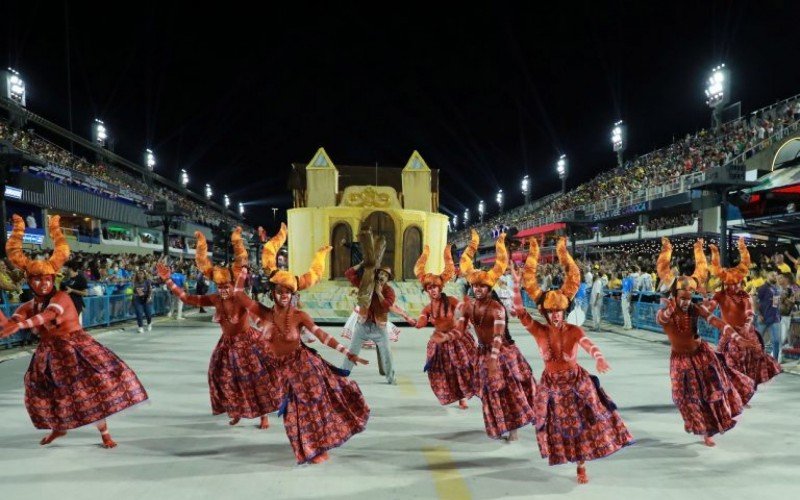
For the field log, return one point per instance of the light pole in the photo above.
(481, 210)
(561, 168)
(717, 94)
(466, 217)
(184, 178)
(455, 223)
(209, 192)
(274, 213)
(150, 162)
(618, 140)
(526, 189)
(14, 90)
(500, 200)
(241, 209)
(226, 201)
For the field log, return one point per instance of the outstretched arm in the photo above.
(252, 306)
(328, 339)
(594, 351)
(422, 321)
(19, 322)
(402, 313)
(192, 300)
(726, 332)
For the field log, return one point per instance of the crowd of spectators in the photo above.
(693, 153)
(111, 175)
(670, 221)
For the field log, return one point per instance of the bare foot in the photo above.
(320, 458)
(582, 477)
(708, 441)
(52, 437)
(234, 421)
(462, 403)
(264, 422)
(107, 441)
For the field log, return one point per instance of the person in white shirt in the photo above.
(30, 220)
(596, 300)
(588, 277)
(646, 283)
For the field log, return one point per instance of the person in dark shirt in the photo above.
(76, 286)
(142, 289)
(201, 288)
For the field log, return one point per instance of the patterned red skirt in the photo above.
(575, 418)
(703, 392)
(508, 399)
(74, 381)
(450, 368)
(752, 361)
(241, 380)
(322, 408)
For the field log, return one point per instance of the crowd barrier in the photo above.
(644, 307)
(98, 311)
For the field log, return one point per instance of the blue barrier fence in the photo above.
(643, 313)
(98, 311)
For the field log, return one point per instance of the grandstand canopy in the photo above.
(774, 226)
(777, 179)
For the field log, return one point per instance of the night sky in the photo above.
(486, 95)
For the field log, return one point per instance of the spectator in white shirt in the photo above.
(30, 220)
(596, 300)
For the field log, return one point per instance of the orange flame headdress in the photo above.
(697, 281)
(220, 275)
(554, 300)
(430, 278)
(491, 276)
(38, 267)
(731, 275)
(284, 278)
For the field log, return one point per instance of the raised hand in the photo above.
(10, 329)
(162, 270)
(602, 365)
(240, 280)
(355, 359)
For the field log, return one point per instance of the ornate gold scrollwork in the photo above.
(367, 197)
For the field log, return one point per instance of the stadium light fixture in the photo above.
(100, 133)
(150, 159)
(15, 87)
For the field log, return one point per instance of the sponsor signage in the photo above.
(13, 192)
(631, 209)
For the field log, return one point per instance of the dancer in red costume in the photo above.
(741, 346)
(72, 380)
(450, 354)
(322, 407)
(707, 392)
(503, 378)
(575, 419)
(241, 382)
